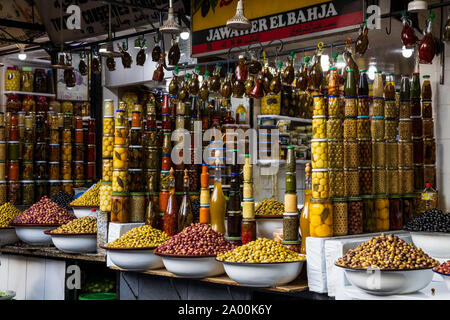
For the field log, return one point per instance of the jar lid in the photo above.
(124, 194)
(319, 200)
(321, 170)
(319, 140)
(44, 162)
(135, 146)
(76, 161)
(27, 162)
(426, 76)
(13, 142)
(71, 181)
(296, 242)
(26, 181)
(248, 220)
(233, 238)
(290, 214)
(319, 117)
(119, 110)
(379, 196)
(13, 68)
(41, 181)
(354, 199)
(137, 193)
(415, 117)
(404, 119)
(206, 205)
(5, 142)
(405, 168)
(117, 169)
(377, 118)
(135, 170)
(429, 166)
(3, 181)
(317, 95)
(54, 162)
(378, 98)
(339, 199)
(54, 181)
(124, 146)
(350, 97)
(363, 117)
(79, 181)
(248, 200)
(136, 128)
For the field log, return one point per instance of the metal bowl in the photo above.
(435, 244)
(75, 243)
(446, 278)
(263, 275)
(389, 282)
(191, 266)
(9, 295)
(134, 259)
(35, 234)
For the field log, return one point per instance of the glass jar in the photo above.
(395, 213)
(408, 207)
(13, 170)
(336, 183)
(27, 192)
(12, 79)
(350, 128)
(13, 103)
(355, 215)
(392, 181)
(379, 181)
(405, 109)
(319, 124)
(391, 153)
(363, 126)
(14, 194)
(351, 186)
(427, 110)
(120, 180)
(340, 217)
(66, 136)
(54, 136)
(105, 194)
(152, 158)
(53, 170)
(319, 183)
(405, 154)
(66, 170)
(351, 154)
(351, 107)
(135, 155)
(378, 153)
(429, 174)
(40, 81)
(365, 152)
(319, 153)
(382, 212)
(151, 176)
(66, 152)
(27, 79)
(405, 129)
(67, 107)
(27, 171)
(363, 106)
(54, 105)
(390, 129)
(365, 181)
(107, 146)
(291, 222)
(335, 154)
(318, 105)
(13, 150)
(248, 230)
(406, 180)
(79, 135)
(369, 214)
(90, 137)
(419, 182)
(378, 107)
(120, 156)
(377, 128)
(107, 169)
(417, 152)
(91, 154)
(334, 128)
(120, 207)
(416, 127)
(3, 192)
(54, 152)
(390, 109)
(334, 109)
(3, 151)
(136, 137)
(79, 152)
(28, 104)
(67, 187)
(120, 135)
(152, 139)
(78, 170)
(136, 180)
(108, 125)
(428, 128)
(41, 189)
(321, 218)
(54, 186)
(40, 170)
(429, 151)
(41, 104)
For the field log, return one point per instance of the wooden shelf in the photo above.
(52, 95)
(276, 117)
(296, 285)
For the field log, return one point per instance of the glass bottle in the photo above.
(414, 92)
(152, 215)
(170, 219)
(275, 83)
(429, 198)
(158, 74)
(204, 196)
(316, 73)
(241, 71)
(183, 92)
(333, 82)
(426, 88)
(350, 85)
(378, 84)
(405, 87)
(258, 90)
(389, 87)
(218, 204)
(214, 82)
(427, 46)
(363, 85)
(303, 78)
(362, 42)
(267, 75)
(288, 72)
(304, 215)
(226, 87)
(185, 215)
(204, 91)
(249, 84)
(194, 83)
(173, 85)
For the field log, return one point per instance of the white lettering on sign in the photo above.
(74, 20)
(373, 20)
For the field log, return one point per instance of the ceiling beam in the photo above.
(21, 25)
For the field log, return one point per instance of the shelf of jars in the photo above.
(278, 117)
(51, 95)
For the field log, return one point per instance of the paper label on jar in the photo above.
(427, 196)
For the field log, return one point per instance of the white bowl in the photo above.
(81, 211)
(435, 244)
(446, 278)
(34, 234)
(265, 226)
(9, 295)
(191, 266)
(389, 282)
(263, 275)
(134, 259)
(75, 243)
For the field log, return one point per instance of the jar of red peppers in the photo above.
(395, 213)
(91, 153)
(248, 230)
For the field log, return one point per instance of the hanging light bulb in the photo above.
(407, 53)
(170, 26)
(184, 35)
(371, 72)
(325, 62)
(22, 55)
(239, 21)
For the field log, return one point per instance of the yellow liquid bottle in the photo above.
(304, 216)
(218, 204)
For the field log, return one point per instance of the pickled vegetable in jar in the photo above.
(365, 181)
(336, 183)
(426, 88)
(378, 153)
(378, 88)
(66, 170)
(406, 180)
(351, 186)
(390, 109)
(14, 194)
(415, 108)
(321, 218)
(405, 109)
(136, 180)
(378, 107)
(27, 192)
(429, 174)
(319, 153)
(319, 183)
(120, 207)
(351, 107)
(53, 170)
(355, 215)
(120, 135)
(319, 127)
(427, 110)
(363, 106)
(390, 129)
(416, 152)
(13, 150)
(291, 223)
(382, 212)
(365, 152)
(28, 104)
(429, 151)
(392, 181)
(107, 146)
(419, 181)
(319, 105)
(363, 127)
(340, 217)
(405, 129)
(120, 180)
(334, 128)
(351, 154)
(377, 128)
(27, 171)
(350, 128)
(395, 213)
(405, 154)
(379, 181)
(409, 207)
(12, 79)
(335, 154)
(78, 170)
(334, 107)
(120, 156)
(369, 214)
(428, 128)
(135, 155)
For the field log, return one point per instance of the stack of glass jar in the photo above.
(194, 168)
(291, 217)
(321, 214)
(3, 186)
(91, 150)
(120, 178)
(417, 133)
(136, 164)
(429, 143)
(54, 154)
(234, 212)
(166, 162)
(248, 229)
(79, 154)
(13, 151)
(41, 169)
(107, 156)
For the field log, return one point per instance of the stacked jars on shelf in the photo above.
(54, 154)
(182, 122)
(193, 168)
(89, 138)
(429, 143)
(321, 214)
(3, 185)
(69, 172)
(107, 156)
(13, 152)
(120, 178)
(166, 162)
(291, 217)
(234, 212)
(248, 229)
